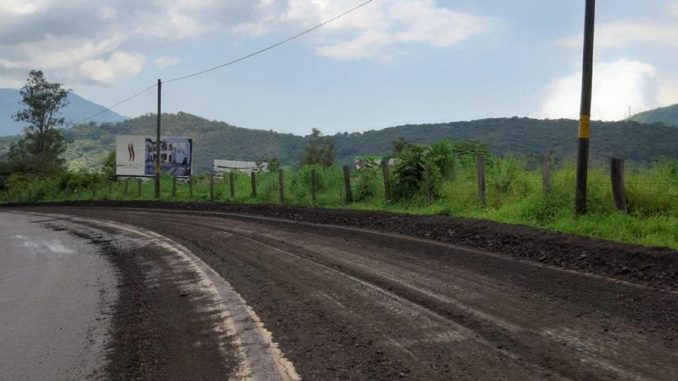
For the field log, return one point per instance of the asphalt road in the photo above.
(56, 295)
(328, 302)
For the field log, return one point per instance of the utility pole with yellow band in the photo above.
(585, 113)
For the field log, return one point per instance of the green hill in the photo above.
(667, 115)
(90, 143)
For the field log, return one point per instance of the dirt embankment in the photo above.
(656, 267)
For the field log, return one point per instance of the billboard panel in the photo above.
(130, 155)
(176, 156)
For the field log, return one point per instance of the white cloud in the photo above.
(117, 65)
(625, 33)
(81, 44)
(617, 86)
(163, 62)
(673, 8)
(384, 27)
(619, 34)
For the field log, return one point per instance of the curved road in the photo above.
(339, 303)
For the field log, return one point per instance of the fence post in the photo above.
(53, 193)
(126, 187)
(138, 187)
(110, 190)
(481, 178)
(174, 186)
(313, 185)
(347, 184)
(190, 186)
(546, 172)
(387, 185)
(618, 187)
(253, 177)
(231, 184)
(429, 186)
(281, 185)
(211, 179)
(94, 191)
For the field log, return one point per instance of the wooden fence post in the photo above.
(211, 179)
(618, 186)
(138, 187)
(313, 185)
(174, 186)
(190, 186)
(347, 184)
(387, 184)
(481, 178)
(429, 186)
(253, 178)
(231, 184)
(546, 173)
(281, 185)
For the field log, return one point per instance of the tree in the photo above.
(38, 151)
(319, 150)
(398, 145)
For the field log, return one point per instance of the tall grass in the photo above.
(514, 195)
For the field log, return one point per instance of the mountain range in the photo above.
(639, 142)
(77, 111)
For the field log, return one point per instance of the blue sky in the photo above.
(391, 62)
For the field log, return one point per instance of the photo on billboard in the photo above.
(176, 156)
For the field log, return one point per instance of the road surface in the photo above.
(247, 297)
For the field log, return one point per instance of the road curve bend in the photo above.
(347, 303)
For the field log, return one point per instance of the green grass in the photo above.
(514, 196)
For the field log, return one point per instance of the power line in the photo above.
(282, 42)
(307, 31)
(110, 108)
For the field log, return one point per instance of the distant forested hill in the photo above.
(667, 115)
(625, 139)
(218, 140)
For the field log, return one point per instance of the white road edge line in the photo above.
(259, 356)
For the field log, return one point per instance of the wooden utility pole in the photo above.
(585, 111)
(157, 143)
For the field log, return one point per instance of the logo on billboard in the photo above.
(130, 150)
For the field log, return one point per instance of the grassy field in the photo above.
(514, 196)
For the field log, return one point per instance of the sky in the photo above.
(389, 63)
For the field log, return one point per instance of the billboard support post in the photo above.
(157, 143)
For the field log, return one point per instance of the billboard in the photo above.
(135, 156)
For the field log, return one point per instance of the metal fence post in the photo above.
(281, 185)
(231, 184)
